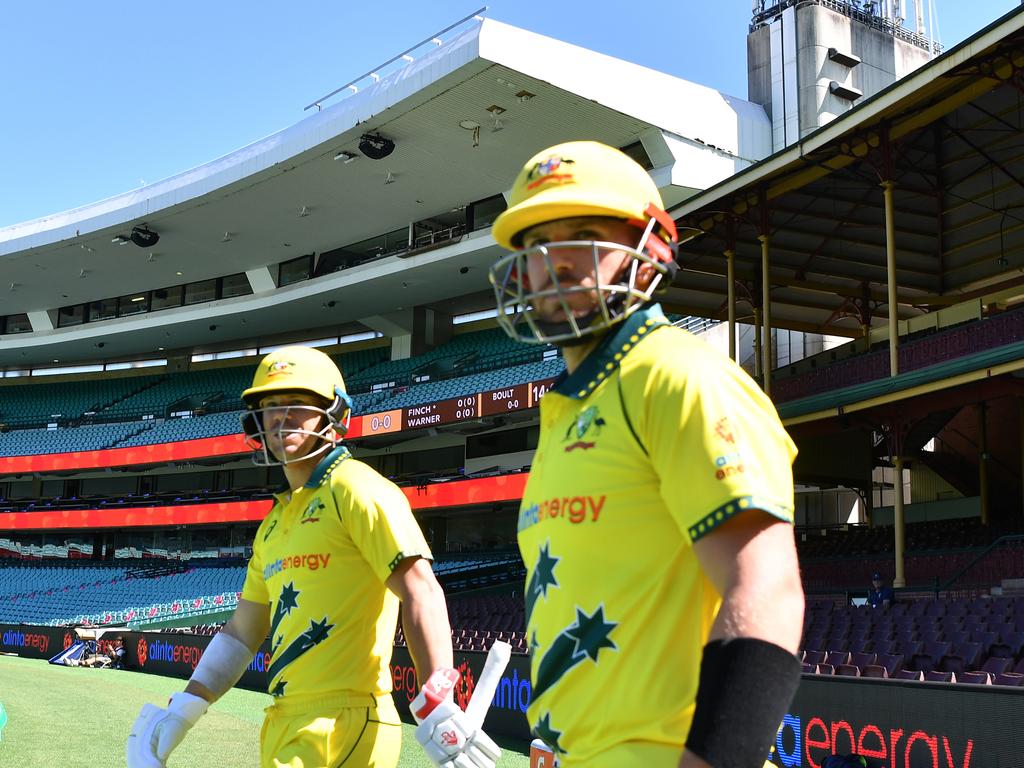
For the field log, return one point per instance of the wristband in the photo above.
(222, 664)
(746, 686)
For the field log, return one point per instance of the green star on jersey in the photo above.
(542, 578)
(547, 734)
(591, 633)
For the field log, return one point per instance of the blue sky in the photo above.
(101, 98)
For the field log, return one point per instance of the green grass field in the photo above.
(70, 717)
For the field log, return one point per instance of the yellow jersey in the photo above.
(320, 560)
(656, 439)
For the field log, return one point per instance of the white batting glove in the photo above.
(156, 731)
(448, 736)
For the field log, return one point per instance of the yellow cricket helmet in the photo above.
(582, 178)
(301, 370)
(295, 369)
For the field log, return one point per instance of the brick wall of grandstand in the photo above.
(105, 594)
(29, 442)
(931, 349)
(970, 640)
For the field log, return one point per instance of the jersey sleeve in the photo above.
(378, 518)
(255, 586)
(715, 441)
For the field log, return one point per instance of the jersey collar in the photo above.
(323, 470)
(606, 356)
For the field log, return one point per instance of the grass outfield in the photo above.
(70, 717)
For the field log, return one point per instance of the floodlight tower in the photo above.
(809, 61)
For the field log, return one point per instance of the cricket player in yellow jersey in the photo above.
(663, 598)
(331, 561)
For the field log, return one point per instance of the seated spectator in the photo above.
(117, 654)
(879, 595)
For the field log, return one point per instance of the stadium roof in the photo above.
(287, 195)
(951, 137)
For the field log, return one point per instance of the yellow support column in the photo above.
(757, 344)
(890, 271)
(730, 276)
(766, 308)
(899, 524)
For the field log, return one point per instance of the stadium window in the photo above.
(68, 316)
(354, 337)
(235, 285)
(16, 374)
(637, 152)
(165, 298)
(484, 314)
(482, 213)
(16, 324)
(294, 270)
(104, 309)
(133, 304)
(130, 364)
(335, 261)
(200, 291)
(67, 369)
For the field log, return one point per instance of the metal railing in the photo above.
(852, 10)
(406, 57)
(968, 580)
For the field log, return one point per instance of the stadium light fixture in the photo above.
(144, 237)
(345, 157)
(375, 146)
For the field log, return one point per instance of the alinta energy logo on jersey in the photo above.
(554, 170)
(588, 423)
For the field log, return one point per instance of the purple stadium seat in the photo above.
(835, 658)
(826, 669)
(975, 678)
(893, 662)
(814, 657)
(958, 636)
(808, 669)
(848, 670)
(935, 676)
(986, 638)
(873, 670)
(1009, 678)
(922, 662)
(995, 665)
(862, 659)
(862, 645)
(908, 674)
(1019, 668)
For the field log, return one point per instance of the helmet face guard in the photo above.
(518, 302)
(335, 421)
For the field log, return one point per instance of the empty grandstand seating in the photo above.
(937, 640)
(111, 594)
(930, 348)
(134, 411)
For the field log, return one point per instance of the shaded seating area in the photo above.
(959, 640)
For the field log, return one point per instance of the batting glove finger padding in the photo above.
(452, 740)
(157, 731)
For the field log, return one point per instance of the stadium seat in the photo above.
(847, 670)
(908, 674)
(975, 678)
(1008, 678)
(873, 670)
(935, 676)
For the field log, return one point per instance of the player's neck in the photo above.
(574, 356)
(298, 472)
